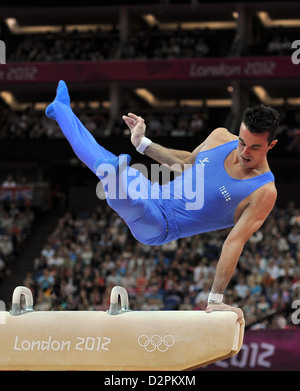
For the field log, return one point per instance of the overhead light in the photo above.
(155, 102)
(7, 97)
(15, 28)
(152, 20)
(11, 23)
(218, 102)
(268, 22)
(265, 98)
(293, 101)
(192, 102)
(88, 27)
(11, 101)
(147, 96)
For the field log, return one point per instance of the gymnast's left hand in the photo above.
(137, 127)
(225, 307)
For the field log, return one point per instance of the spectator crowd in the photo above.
(89, 253)
(147, 42)
(33, 124)
(16, 224)
(64, 46)
(178, 122)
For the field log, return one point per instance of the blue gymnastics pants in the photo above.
(143, 215)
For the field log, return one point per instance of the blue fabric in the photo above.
(221, 193)
(203, 198)
(83, 143)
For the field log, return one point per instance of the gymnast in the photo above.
(230, 172)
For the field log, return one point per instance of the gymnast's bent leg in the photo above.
(142, 215)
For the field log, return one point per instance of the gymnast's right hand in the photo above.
(225, 307)
(137, 127)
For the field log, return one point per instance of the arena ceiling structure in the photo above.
(237, 71)
(236, 17)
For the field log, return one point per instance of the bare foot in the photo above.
(224, 307)
(137, 127)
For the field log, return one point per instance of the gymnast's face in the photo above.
(253, 148)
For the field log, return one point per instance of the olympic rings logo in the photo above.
(156, 342)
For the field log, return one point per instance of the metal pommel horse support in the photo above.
(118, 339)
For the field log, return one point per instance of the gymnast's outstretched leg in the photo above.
(142, 215)
(83, 143)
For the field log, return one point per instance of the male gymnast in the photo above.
(236, 183)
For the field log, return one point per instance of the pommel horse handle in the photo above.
(116, 292)
(16, 299)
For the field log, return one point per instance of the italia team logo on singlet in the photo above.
(225, 193)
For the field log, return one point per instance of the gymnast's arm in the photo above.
(168, 156)
(155, 151)
(260, 205)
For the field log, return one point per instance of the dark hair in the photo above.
(261, 119)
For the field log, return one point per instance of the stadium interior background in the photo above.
(120, 57)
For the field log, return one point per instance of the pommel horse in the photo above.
(116, 339)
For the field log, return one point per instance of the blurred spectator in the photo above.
(46, 281)
(4, 270)
(201, 298)
(9, 182)
(16, 223)
(6, 246)
(279, 45)
(241, 288)
(64, 46)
